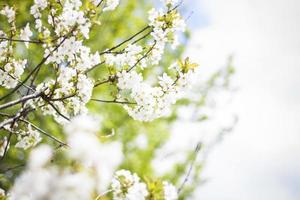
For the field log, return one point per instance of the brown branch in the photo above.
(37, 67)
(44, 132)
(125, 41)
(18, 40)
(197, 149)
(21, 100)
(143, 57)
(112, 101)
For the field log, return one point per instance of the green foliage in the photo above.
(115, 27)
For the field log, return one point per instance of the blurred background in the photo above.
(260, 159)
(243, 109)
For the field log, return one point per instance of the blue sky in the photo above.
(261, 158)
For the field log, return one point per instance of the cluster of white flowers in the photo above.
(72, 59)
(37, 7)
(26, 34)
(40, 181)
(166, 24)
(28, 138)
(170, 192)
(64, 97)
(74, 53)
(72, 15)
(11, 69)
(128, 58)
(111, 5)
(69, 96)
(43, 180)
(127, 186)
(10, 13)
(11, 72)
(152, 102)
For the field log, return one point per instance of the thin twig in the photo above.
(44, 132)
(21, 100)
(125, 41)
(112, 101)
(13, 168)
(18, 40)
(197, 149)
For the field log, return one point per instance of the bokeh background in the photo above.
(260, 159)
(247, 121)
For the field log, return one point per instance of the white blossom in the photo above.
(38, 6)
(129, 57)
(111, 5)
(26, 34)
(9, 13)
(12, 72)
(127, 186)
(28, 138)
(170, 192)
(152, 101)
(40, 156)
(44, 180)
(128, 80)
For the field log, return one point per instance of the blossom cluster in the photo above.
(67, 95)
(11, 69)
(43, 179)
(166, 25)
(152, 102)
(61, 29)
(28, 138)
(127, 185)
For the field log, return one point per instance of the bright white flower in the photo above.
(72, 15)
(83, 124)
(12, 72)
(26, 34)
(34, 184)
(27, 139)
(85, 88)
(111, 5)
(50, 183)
(166, 82)
(128, 80)
(165, 25)
(73, 186)
(127, 186)
(40, 156)
(170, 192)
(39, 5)
(45, 180)
(129, 58)
(9, 13)
(38, 24)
